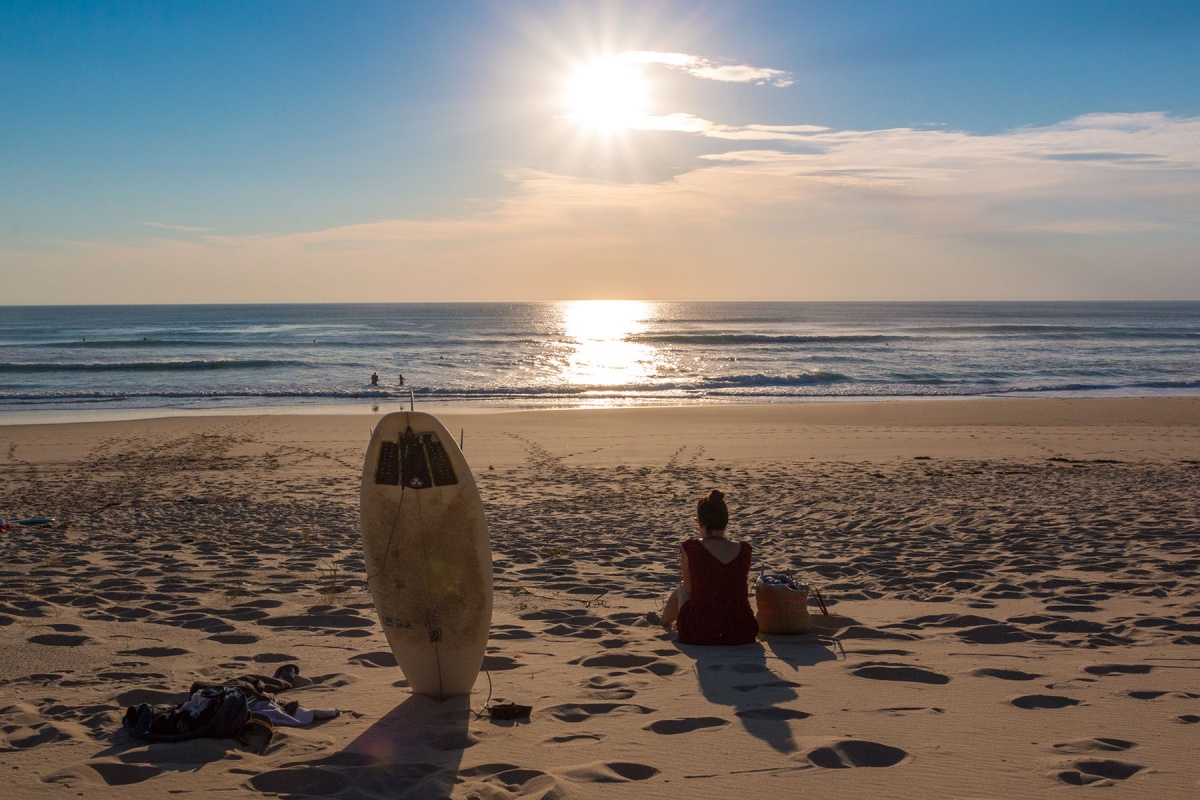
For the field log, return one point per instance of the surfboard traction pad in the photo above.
(419, 461)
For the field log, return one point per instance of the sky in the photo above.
(357, 151)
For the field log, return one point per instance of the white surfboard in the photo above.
(428, 558)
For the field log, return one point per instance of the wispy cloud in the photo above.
(184, 228)
(700, 67)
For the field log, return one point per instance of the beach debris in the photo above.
(509, 711)
(36, 522)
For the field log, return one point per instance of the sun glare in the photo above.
(603, 355)
(607, 95)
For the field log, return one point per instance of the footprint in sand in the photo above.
(671, 727)
(509, 632)
(741, 669)
(1006, 674)
(612, 693)
(154, 652)
(16, 736)
(380, 658)
(995, 634)
(113, 774)
(885, 671)
(863, 632)
(581, 712)
(1119, 669)
(1188, 719)
(334, 620)
(1153, 695)
(777, 684)
(628, 661)
(499, 663)
(1032, 701)
(1105, 772)
(507, 777)
(582, 738)
(233, 638)
(59, 639)
(609, 772)
(854, 753)
(773, 714)
(950, 621)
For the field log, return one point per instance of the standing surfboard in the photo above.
(428, 559)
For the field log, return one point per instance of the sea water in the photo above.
(146, 360)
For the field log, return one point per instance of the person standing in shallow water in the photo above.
(711, 606)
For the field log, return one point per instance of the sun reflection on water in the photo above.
(599, 330)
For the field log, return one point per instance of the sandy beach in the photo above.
(1012, 586)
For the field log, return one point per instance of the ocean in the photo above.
(140, 360)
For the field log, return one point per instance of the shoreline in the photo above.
(76, 416)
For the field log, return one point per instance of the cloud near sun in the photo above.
(700, 67)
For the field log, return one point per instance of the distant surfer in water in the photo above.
(374, 378)
(710, 605)
(401, 378)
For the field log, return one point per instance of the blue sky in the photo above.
(313, 151)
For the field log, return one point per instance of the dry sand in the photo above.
(1014, 583)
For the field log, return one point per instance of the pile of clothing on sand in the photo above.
(243, 708)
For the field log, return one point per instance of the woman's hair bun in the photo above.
(712, 512)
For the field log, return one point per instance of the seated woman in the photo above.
(711, 605)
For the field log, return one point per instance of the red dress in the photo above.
(718, 611)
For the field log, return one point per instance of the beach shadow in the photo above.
(413, 750)
(761, 699)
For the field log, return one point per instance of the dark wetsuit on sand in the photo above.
(718, 611)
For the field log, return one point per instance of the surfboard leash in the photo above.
(486, 703)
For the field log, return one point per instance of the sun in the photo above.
(607, 94)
